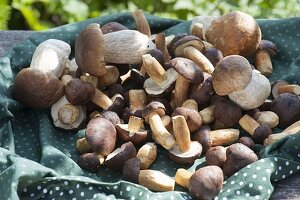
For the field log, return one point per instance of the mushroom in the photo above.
(82, 146)
(205, 22)
(222, 137)
(202, 93)
(67, 116)
(190, 104)
(213, 55)
(141, 22)
(101, 136)
(206, 182)
(160, 134)
(160, 42)
(111, 116)
(112, 27)
(188, 73)
(186, 157)
(197, 30)
(290, 88)
(72, 68)
(266, 117)
(216, 156)
(258, 132)
(37, 89)
(116, 159)
(192, 117)
(235, 33)
(90, 162)
(191, 47)
(203, 137)
(131, 170)
(287, 107)
(89, 79)
(182, 177)
(275, 86)
(265, 51)
(181, 133)
(207, 114)
(111, 77)
(51, 56)
(238, 156)
(147, 155)
(160, 81)
(247, 141)
(156, 180)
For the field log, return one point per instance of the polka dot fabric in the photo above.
(38, 161)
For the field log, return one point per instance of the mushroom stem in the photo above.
(195, 55)
(248, 124)
(182, 177)
(190, 104)
(68, 114)
(65, 79)
(82, 145)
(181, 90)
(167, 122)
(143, 70)
(263, 62)
(147, 154)
(90, 79)
(137, 99)
(156, 72)
(207, 114)
(134, 124)
(267, 117)
(112, 75)
(141, 22)
(156, 180)
(293, 88)
(197, 30)
(101, 99)
(224, 137)
(159, 131)
(181, 133)
(160, 42)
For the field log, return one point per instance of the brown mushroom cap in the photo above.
(101, 135)
(202, 135)
(216, 156)
(213, 55)
(116, 159)
(131, 170)
(112, 27)
(37, 89)
(126, 136)
(187, 157)
(185, 41)
(287, 107)
(247, 141)
(227, 113)
(192, 117)
(232, 73)
(153, 106)
(188, 69)
(111, 116)
(268, 46)
(89, 51)
(275, 85)
(238, 156)
(202, 92)
(158, 55)
(235, 33)
(114, 89)
(206, 182)
(261, 133)
(89, 162)
(173, 41)
(78, 91)
(118, 104)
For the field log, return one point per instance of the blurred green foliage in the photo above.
(45, 14)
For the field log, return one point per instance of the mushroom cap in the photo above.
(114, 89)
(275, 85)
(187, 157)
(101, 135)
(187, 69)
(125, 135)
(268, 46)
(118, 104)
(261, 133)
(202, 93)
(227, 113)
(254, 94)
(131, 170)
(235, 33)
(111, 77)
(89, 162)
(137, 77)
(170, 46)
(247, 141)
(238, 156)
(213, 55)
(158, 55)
(78, 91)
(160, 90)
(206, 182)
(89, 50)
(154, 106)
(185, 41)
(231, 74)
(111, 116)
(202, 135)
(116, 159)
(287, 107)
(216, 156)
(37, 89)
(128, 112)
(112, 27)
(192, 117)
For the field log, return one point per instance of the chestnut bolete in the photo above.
(206, 182)
(192, 117)
(265, 51)
(238, 156)
(187, 157)
(78, 91)
(227, 113)
(147, 154)
(131, 170)
(247, 141)
(37, 89)
(235, 33)
(112, 27)
(216, 156)
(90, 162)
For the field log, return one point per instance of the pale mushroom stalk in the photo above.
(181, 90)
(190, 104)
(248, 124)
(263, 62)
(147, 154)
(110, 77)
(134, 124)
(223, 137)
(160, 42)
(197, 30)
(267, 117)
(207, 114)
(156, 180)
(90, 79)
(182, 177)
(141, 22)
(137, 99)
(291, 88)
(181, 133)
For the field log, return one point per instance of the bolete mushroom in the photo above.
(186, 157)
(266, 117)
(112, 27)
(265, 51)
(90, 162)
(192, 117)
(147, 155)
(247, 141)
(216, 156)
(156, 180)
(182, 177)
(235, 33)
(131, 170)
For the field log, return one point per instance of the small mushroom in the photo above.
(82, 146)
(111, 116)
(258, 132)
(207, 114)
(147, 155)
(192, 117)
(235, 33)
(265, 51)
(101, 136)
(160, 134)
(213, 55)
(287, 107)
(90, 162)
(275, 85)
(205, 22)
(187, 157)
(116, 159)
(37, 89)
(266, 117)
(156, 180)
(131, 170)
(111, 77)
(206, 182)
(51, 56)
(202, 135)
(238, 156)
(247, 141)
(216, 156)
(182, 177)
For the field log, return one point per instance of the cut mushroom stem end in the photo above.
(181, 133)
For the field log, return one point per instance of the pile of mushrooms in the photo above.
(189, 94)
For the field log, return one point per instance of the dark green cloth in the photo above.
(38, 160)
